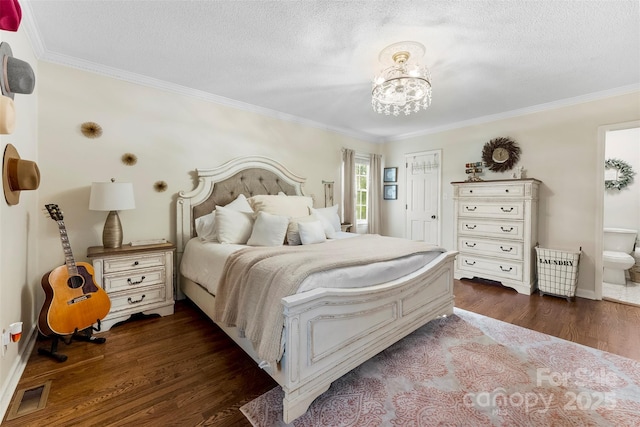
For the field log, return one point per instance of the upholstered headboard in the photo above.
(219, 186)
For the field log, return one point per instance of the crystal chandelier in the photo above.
(404, 85)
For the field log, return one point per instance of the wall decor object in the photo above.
(617, 174)
(7, 115)
(160, 186)
(390, 174)
(10, 15)
(17, 175)
(328, 193)
(16, 76)
(472, 169)
(129, 159)
(390, 192)
(91, 130)
(500, 154)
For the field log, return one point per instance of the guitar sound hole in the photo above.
(75, 282)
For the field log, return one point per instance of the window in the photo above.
(362, 190)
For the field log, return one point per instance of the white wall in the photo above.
(559, 147)
(622, 207)
(19, 272)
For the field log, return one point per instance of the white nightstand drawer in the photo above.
(112, 265)
(508, 210)
(491, 190)
(137, 299)
(490, 267)
(497, 229)
(133, 278)
(503, 249)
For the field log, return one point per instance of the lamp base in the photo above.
(112, 232)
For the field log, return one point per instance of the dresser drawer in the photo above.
(503, 190)
(133, 278)
(503, 249)
(112, 265)
(491, 229)
(490, 267)
(507, 210)
(137, 299)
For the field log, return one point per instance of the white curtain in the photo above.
(349, 186)
(375, 174)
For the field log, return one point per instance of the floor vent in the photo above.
(29, 400)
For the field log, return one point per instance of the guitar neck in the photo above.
(66, 247)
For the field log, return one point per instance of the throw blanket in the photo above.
(256, 279)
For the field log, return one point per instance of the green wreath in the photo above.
(625, 174)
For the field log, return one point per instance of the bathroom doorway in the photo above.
(619, 208)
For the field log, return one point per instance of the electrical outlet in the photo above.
(5, 341)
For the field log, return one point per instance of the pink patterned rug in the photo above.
(470, 370)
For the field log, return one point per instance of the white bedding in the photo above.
(203, 262)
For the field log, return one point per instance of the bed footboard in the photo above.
(331, 331)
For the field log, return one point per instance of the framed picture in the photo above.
(390, 192)
(390, 174)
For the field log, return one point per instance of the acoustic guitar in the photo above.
(73, 299)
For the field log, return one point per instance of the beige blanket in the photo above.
(256, 279)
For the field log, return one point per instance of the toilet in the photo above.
(616, 257)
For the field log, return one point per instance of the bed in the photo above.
(326, 331)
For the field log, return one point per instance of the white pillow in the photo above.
(291, 206)
(268, 230)
(293, 233)
(232, 226)
(240, 204)
(330, 219)
(205, 227)
(311, 232)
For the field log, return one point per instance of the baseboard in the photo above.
(19, 364)
(585, 294)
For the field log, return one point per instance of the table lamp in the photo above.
(111, 196)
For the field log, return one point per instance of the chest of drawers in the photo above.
(138, 279)
(496, 230)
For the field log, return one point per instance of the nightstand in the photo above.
(346, 226)
(138, 279)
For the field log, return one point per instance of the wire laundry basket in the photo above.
(557, 272)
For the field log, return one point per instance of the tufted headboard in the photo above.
(250, 176)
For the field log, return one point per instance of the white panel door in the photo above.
(423, 196)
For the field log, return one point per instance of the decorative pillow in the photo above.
(311, 232)
(205, 227)
(232, 226)
(329, 218)
(291, 206)
(293, 234)
(240, 204)
(268, 230)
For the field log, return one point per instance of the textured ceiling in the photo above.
(313, 61)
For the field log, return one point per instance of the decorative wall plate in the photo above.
(500, 154)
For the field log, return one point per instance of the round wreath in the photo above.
(507, 143)
(625, 174)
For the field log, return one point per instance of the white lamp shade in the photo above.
(111, 196)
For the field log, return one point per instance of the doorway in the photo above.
(617, 208)
(423, 176)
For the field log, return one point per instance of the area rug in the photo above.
(471, 370)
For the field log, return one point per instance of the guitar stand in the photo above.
(85, 335)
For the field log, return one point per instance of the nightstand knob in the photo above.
(135, 301)
(136, 263)
(130, 282)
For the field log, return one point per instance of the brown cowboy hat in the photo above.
(17, 175)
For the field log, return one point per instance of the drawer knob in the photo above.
(506, 250)
(135, 301)
(506, 190)
(506, 270)
(469, 263)
(470, 245)
(471, 209)
(507, 210)
(470, 227)
(131, 282)
(136, 263)
(506, 230)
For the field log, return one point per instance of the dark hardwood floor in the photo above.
(182, 370)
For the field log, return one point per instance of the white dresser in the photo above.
(496, 231)
(138, 279)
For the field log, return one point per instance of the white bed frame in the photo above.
(328, 332)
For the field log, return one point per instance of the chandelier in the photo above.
(404, 85)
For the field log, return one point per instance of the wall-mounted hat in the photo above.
(18, 175)
(16, 75)
(7, 115)
(10, 15)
